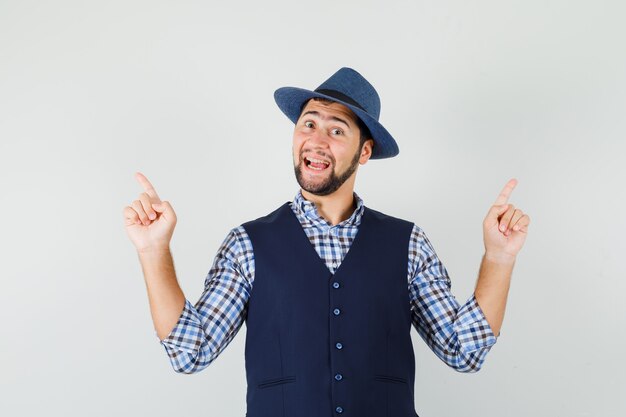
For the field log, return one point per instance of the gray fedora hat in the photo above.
(347, 87)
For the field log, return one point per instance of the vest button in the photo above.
(335, 285)
(338, 377)
(339, 410)
(336, 311)
(338, 345)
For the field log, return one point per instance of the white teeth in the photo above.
(318, 161)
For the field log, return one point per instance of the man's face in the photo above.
(326, 150)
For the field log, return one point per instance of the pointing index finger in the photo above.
(147, 186)
(506, 192)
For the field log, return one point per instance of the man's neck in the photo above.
(335, 207)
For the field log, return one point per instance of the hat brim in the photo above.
(290, 100)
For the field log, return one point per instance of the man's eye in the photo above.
(308, 124)
(338, 131)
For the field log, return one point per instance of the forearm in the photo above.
(492, 289)
(165, 295)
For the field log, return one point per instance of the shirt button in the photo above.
(338, 345)
(339, 410)
(336, 311)
(335, 264)
(338, 377)
(335, 285)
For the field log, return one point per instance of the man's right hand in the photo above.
(149, 221)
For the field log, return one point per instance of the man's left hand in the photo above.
(505, 227)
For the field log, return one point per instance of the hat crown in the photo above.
(353, 85)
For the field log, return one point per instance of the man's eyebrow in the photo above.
(315, 113)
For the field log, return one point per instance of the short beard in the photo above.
(333, 183)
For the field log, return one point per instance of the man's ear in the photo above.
(366, 151)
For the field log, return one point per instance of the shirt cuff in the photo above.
(187, 334)
(473, 330)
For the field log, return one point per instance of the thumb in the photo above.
(501, 209)
(496, 210)
(165, 209)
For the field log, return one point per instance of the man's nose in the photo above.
(319, 137)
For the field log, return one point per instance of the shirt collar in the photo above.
(306, 208)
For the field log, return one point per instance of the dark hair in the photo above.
(363, 129)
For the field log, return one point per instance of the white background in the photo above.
(475, 93)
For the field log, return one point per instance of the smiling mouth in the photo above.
(316, 164)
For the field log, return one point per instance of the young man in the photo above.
(328, 288)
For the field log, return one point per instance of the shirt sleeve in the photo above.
(458, 334)
(205, 329)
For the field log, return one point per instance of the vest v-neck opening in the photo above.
(355, 241)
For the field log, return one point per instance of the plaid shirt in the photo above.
(459, 335)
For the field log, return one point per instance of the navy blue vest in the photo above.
(322, 345)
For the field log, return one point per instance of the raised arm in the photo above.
(193, 336)
(504, 230)
(150, 224)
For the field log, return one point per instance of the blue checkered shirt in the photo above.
(458, 334)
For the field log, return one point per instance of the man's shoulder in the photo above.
(380, 216)
(268, 218)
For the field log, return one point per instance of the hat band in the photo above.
(340, 96)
